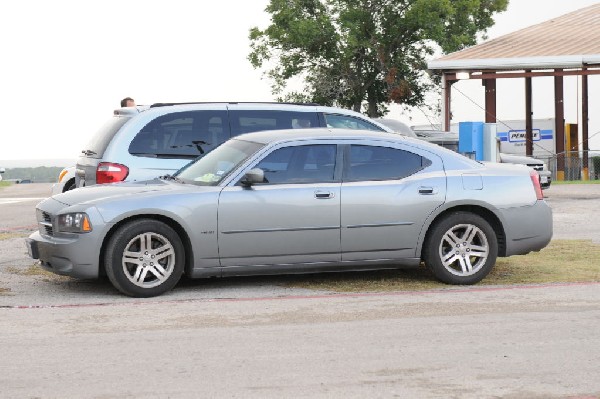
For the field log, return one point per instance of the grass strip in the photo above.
(563, 261)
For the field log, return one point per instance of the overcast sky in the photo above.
(66, 64)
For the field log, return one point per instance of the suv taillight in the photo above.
(108, 172)
(535, 179)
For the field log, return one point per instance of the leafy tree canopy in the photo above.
(354, 52)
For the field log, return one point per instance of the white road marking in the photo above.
(17, 200)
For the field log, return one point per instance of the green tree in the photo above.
(352, 53)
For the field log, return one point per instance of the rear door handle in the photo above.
(427, 190)
(323, 194)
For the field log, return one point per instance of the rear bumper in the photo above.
(527, 228)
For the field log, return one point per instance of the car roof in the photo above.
(270, 136)
(452, 159)
(166, 108)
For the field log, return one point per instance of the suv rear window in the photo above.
(97, 145)
(181, 134)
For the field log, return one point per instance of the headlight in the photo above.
(74, 223)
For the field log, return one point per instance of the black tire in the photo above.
(144, 258)
(70, 185)
(461, 248)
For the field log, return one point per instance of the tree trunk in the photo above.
(372, 111)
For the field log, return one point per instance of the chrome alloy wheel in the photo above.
(148, 260)
(464, 249)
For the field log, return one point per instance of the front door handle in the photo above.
(323, 194)
(427, 190)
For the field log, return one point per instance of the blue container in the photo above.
(470, 139)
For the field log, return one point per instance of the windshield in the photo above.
(211, 169)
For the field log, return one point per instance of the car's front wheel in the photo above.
(461, 248)
(144, 258)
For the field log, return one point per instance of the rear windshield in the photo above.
(97, 145)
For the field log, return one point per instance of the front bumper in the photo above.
(545, 178)
(69, 254)
(65, 256)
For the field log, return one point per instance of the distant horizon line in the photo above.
(37, 162)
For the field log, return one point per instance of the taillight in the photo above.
(111, 172)
(535, 179)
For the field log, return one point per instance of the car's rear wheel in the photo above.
(144, 258)
(461, 248)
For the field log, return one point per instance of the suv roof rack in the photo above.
(128, 110)
(155, 105)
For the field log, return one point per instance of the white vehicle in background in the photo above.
(2, 170)
(66, 181)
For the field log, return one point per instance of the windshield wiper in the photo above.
(195, 143)
(171, 177)
(198, 146)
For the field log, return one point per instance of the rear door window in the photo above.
(182, 134)
(382, 163)
(247, 121)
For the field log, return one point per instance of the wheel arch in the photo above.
(481, 211)
(69, 185)
(185, 239)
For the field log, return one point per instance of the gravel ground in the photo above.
(575, 210)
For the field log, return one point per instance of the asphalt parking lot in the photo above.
(253, 337)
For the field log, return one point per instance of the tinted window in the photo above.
(97, 145)
(382, 163)
(349, 122)
(300, 164)
(181, 134)
(247, 121)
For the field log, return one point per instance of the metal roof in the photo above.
(568, 41)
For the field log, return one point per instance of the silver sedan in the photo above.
(297, 202)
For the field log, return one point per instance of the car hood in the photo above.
(102, 192)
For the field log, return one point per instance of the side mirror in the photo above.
(253, 176)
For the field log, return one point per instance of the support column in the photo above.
(490, 100)
(559, 126)
(528, 118)
(585, 173)
(446, 101)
